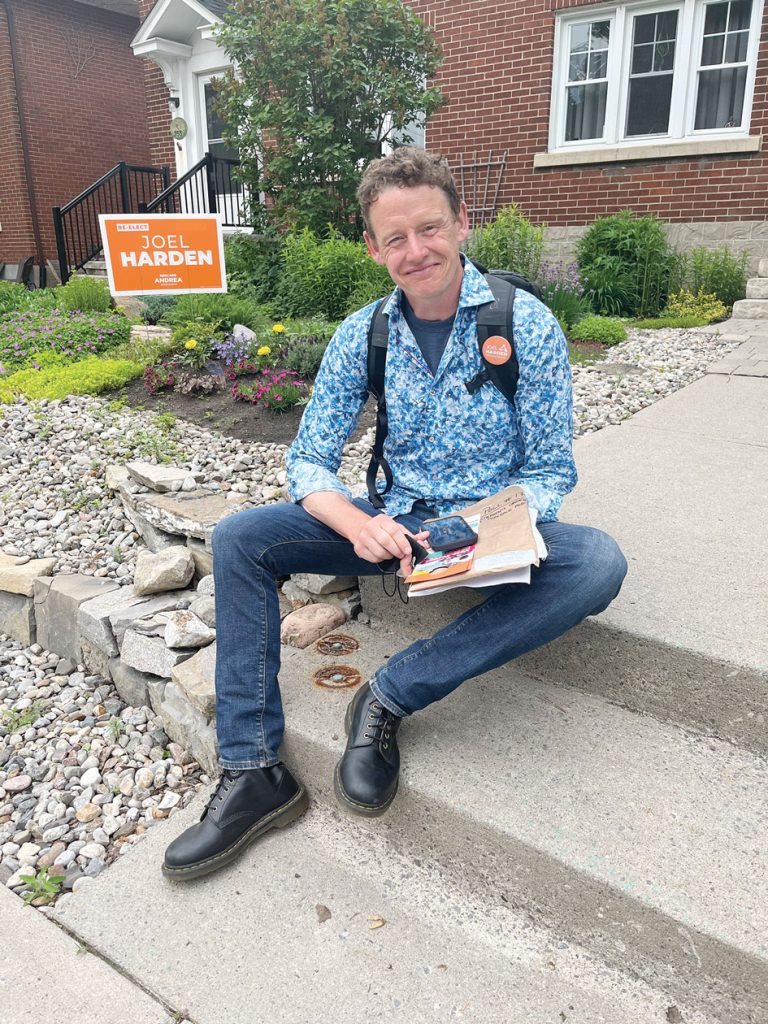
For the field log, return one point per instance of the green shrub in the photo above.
(712, 271)
(303, 356)
(26, 332)
(138, 349)
(85, 294)
(156, 307)
(319, 277)
(702, 306)
(88, 377)
(660, 322)
(219, 308)
(510, 242)
(625, 263)
(204, 332)
(12, 296)
(602, 330)
(562, 292)
(253, 264)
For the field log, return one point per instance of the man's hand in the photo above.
(374, 538)
(381, 538)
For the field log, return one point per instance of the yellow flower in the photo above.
(265, 350)
(278, 328)
(190, 344)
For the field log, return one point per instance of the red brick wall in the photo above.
(85, 104)
(496, 75)
(15, 221)
(157, 106)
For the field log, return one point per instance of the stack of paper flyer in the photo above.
(508, 544)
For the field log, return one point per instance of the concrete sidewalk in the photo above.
(684, 487)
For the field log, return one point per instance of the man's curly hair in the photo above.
(407, 167)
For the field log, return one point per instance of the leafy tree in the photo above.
(318, 86)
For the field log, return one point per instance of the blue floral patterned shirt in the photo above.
(444, 445)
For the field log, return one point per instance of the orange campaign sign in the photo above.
(163, 253)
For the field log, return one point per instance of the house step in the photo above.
(637, 840)
(757, 288)
(682, 487)
(445, 952)
(96, 268)
(751, 309)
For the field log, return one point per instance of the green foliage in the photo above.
(156, 307)
(41, 886)
(15, 719)
(625, 263)
(222, 309)
(194, 342)
(701, 306)
(303, 356)
(26, 332)
(142, 350)
(253, 264)
(602, 330)
(85, 294)
(510, 242)
(16, 296)
(320, 85)
(319, 277)
(278, 390)
(713, 271)
(562, 292)
(88, 377)
(658, 323)
(154, 444)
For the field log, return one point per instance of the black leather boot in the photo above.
(244, 805)
(366, 777)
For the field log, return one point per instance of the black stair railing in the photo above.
(124, 189)
(211, 186)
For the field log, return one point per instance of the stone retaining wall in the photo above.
(155, 639)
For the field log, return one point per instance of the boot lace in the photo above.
(380, 724)
(216, 799)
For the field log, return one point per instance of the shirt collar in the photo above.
(474, 290)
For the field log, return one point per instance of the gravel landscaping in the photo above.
(82, 775)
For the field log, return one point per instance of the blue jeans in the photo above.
(582, 574)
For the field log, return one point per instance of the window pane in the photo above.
(645, 28)
(600, 33)
(664, 56)
(585, 118)
(720, 99)
(649, 105)
(642, 59)
(716, 19)
(579, 38)
(736, 47)
(577, 70)
(712, 50)
(666, 27)
(741, 12)
(598, 64)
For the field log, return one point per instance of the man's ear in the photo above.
(463, 223)
(373, 251)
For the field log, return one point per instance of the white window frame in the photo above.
(684, 86)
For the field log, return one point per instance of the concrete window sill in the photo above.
(652, 151)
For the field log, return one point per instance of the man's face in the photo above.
(416, 236)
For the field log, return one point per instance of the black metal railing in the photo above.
(124, 189)
(211, 186)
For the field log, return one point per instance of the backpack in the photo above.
(493, 319)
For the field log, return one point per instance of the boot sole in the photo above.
(364, 810)
(278, 818)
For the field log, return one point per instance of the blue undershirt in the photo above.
(431, 335)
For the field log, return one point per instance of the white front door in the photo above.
(229, 191)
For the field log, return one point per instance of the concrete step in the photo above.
(285, 936)
(751, 309)
(682, 487)
(757, 288)
(637, 840)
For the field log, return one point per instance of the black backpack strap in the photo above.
(378, 339)
(497, 317)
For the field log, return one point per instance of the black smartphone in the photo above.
(450, 533)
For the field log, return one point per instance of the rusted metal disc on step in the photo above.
(336, 644)
(336, 677)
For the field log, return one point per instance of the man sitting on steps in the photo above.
(446, 448)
